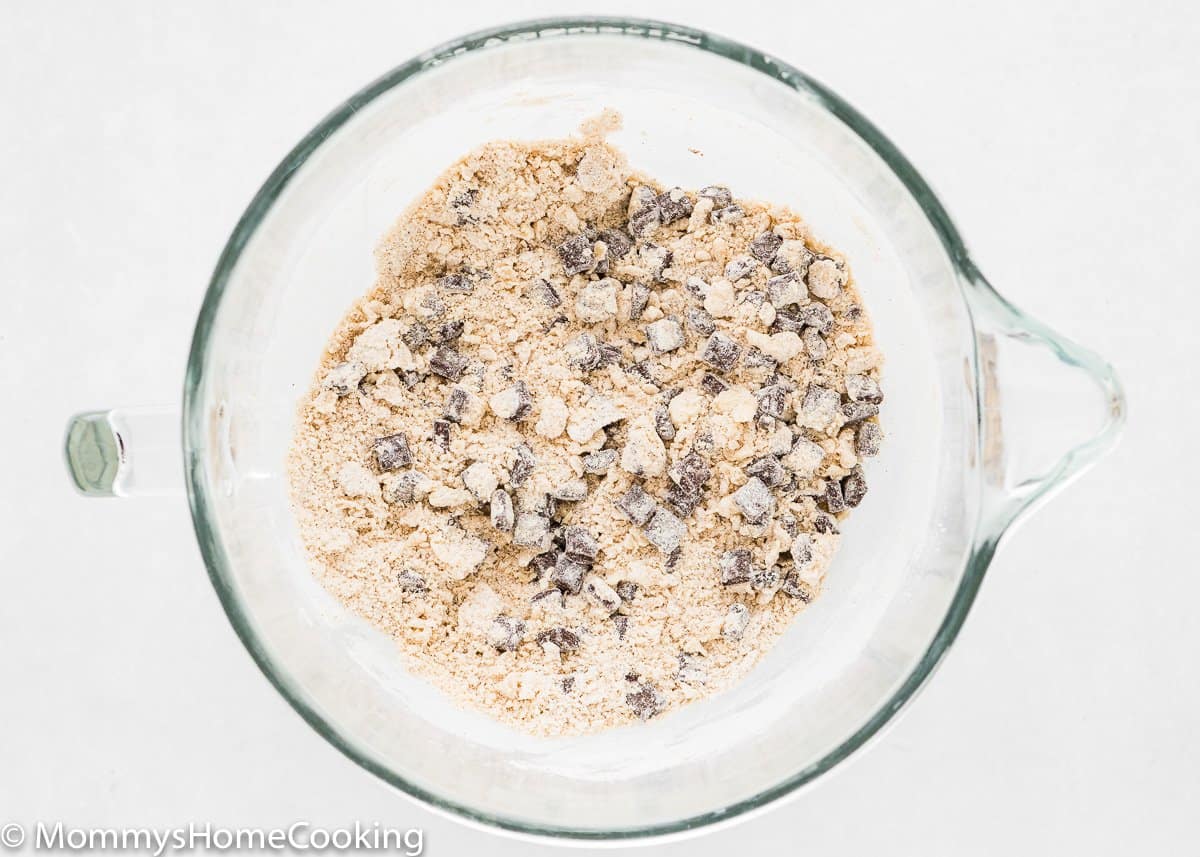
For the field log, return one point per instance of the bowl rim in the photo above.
(194, 429)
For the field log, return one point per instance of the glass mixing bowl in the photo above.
(987, 411)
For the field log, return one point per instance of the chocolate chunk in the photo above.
(553, 596)
(690, 471)
(824, 524)
(568, 573)
(854, 487)
(621, 624)
(410, 581)
(664, 335)
(753, 297)
(597, 463)
(431, 306)
(441, 433)
(765, 246)
(547, 294)
(513, 403)
(802, 551)
(655, 260)
(673, 205)
(543, 564)
(581, 544)
(703, 443)
(461, 203)
(719, 194)
(626, 589)
(639, 296)
(583, 352)
(566, 640)
(448, 332)
(856, 412)
(416, 335)
(610, 355)
(757, 359)
(737, 619)
(456, 283)
(794, 587)
(769, 470)
(568, 684)
(772, 401)
(868, 440)
(665, 531)
(814, 344)
(577, 255)
(792, 257)
(833, 500)
(570, 492)
(641, 370)
(392, 452)
(505, 633)
(700, 320)
(863, 388)
(728, 214)
(531, 530)
(554, 322)
(765, 579)
(735, 568)
(502, 511)
(662, 423)
(788, 318)
(597, 592)
(457, 404)
(448, 363)
(638, 505)
(646, 701)
(696, 287)
(617, 243)
(644, 221)
(691, 669)
(713, 385)
(755, 500)
(523, 464)
(818, 316)
(739, 267)
(683, 499)
(673, 559)
(721, 352)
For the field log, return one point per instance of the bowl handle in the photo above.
(1039, 394)
(127, 452)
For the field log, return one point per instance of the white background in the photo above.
(1063, 136)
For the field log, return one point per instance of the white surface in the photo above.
(133, 135)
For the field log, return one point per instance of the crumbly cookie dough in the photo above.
(583, 449)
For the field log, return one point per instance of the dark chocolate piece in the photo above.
(566, 640)
(576, 254)
(392, 452)
(410, 581)
(765, 246)
(721, 352)
(448, 363)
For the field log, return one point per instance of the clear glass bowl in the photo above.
(981, 404)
